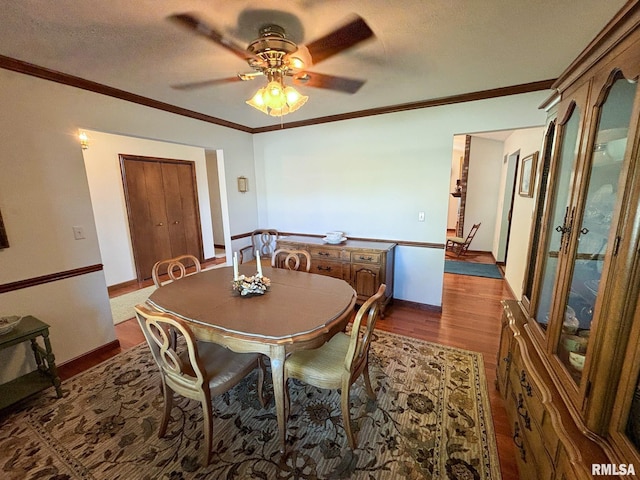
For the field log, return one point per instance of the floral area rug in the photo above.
(430, 420)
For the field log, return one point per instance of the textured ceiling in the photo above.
(423, 49)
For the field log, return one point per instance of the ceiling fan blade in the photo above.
(339, 40)
(195, 24)
(330, 82)
(206, 83)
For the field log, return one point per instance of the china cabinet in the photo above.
(569, 359)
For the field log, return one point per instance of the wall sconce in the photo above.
(84, 140)
(243, 184)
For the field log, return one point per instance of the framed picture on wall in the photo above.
(4, 241)
(528, 175)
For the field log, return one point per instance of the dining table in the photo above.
(299, 310)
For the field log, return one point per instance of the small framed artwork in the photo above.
(528, 175)
(4, 241)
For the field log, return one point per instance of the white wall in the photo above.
(102, 163)
(215, 202)
(527, 141)
(44, 192)
(483, 187)
(371, 176)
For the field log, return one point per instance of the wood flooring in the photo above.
(470, 319)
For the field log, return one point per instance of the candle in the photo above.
(258, 262)
(235, 265)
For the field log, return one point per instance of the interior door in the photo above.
(507, 207)
(162, 204)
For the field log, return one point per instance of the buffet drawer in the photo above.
(521, 382)
(325, 253)
(365, 257)
(328, 268)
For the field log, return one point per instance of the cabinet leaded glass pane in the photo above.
(568, 153)
(594, 227)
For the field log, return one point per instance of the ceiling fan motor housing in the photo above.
(271, 47)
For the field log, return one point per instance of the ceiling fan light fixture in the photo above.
(257, 101)
(277, 100)
(296, 63)
(294, 98)
(274, 96)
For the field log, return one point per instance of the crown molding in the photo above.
(26, 68)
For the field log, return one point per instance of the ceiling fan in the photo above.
(275, 57)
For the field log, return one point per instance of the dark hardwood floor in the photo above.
(470, 319)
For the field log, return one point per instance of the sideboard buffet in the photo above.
(365, 264)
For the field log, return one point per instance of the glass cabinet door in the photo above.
(593, 228)
(558, 216)
(632, 430)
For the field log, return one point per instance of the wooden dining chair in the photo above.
(459, 245)
(261, 240)
(197, 371)
(174, 268)
(339, 362)
(291, 259)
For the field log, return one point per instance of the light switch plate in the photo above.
(78, 233)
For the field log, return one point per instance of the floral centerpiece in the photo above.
(247, 286)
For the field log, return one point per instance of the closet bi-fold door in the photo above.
(163, 211)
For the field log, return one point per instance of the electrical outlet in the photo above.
(421, 216)
(78, 233)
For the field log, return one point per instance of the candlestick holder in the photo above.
(250, 286)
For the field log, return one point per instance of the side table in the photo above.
(44, 376)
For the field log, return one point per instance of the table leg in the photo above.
(277, 372)
(51, 364)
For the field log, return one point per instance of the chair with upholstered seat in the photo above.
(175, 269)
(196, 370)
(459, 245)
(262, 240)
(291, 259)
(339, 362)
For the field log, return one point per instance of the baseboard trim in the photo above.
(118, 286)
(417, 306)
(66, 369)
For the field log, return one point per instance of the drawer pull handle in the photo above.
(524, 383)
(368, 259)
(324, 254)
(519, 443)
(525, 415)
(324, 269)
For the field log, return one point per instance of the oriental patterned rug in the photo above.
(430, 420)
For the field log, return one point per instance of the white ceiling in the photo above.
(423, 49)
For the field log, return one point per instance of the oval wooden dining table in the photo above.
(299, 311)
